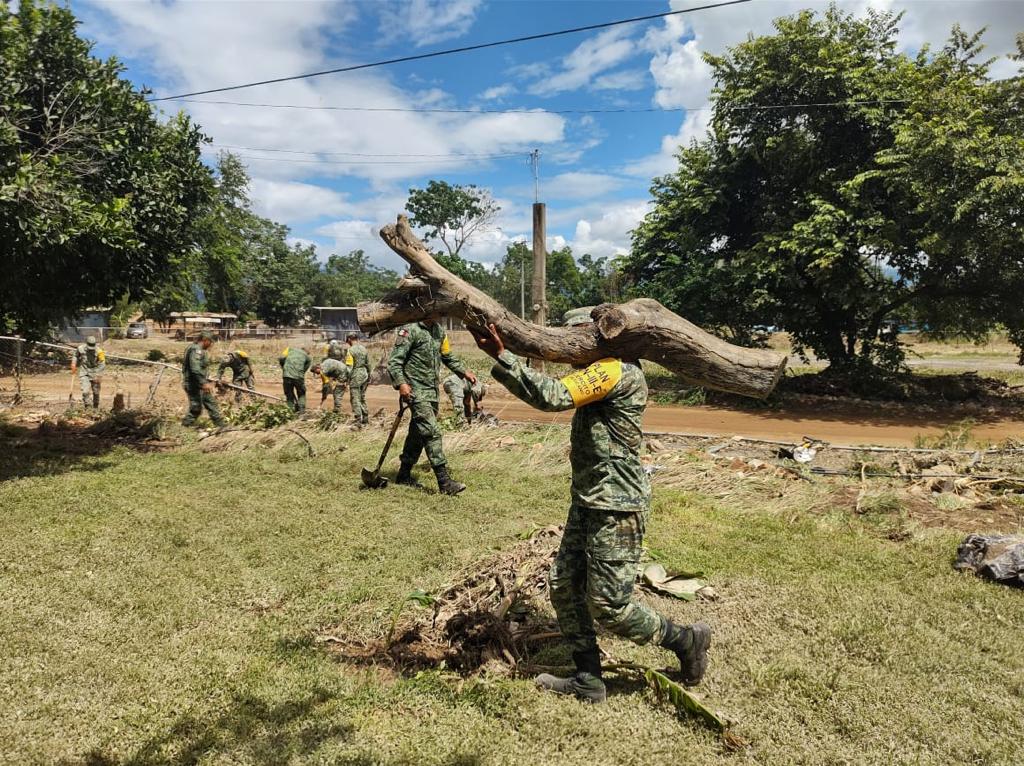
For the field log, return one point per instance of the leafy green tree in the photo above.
(98, 197)
(226, 228)
(345, 280)
(279, 275)
(570, 284)
(451, 214)
(902, 195)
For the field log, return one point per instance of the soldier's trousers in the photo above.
(335, 389)
(197, 400)
(457, 398)
(357, 395)
(247, 382)
(90, 391)
(295, 393)
(592, 579)
(423, 435)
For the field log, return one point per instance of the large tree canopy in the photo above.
(98, 198)
(875, 186)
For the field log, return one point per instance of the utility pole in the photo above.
(522, 283)
(540, 256)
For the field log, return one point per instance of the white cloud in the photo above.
(609, 234)
(576, 185)
(625, 79)
(428, 21)
(197, 45)
(498, 92)
(293, 201)
(664, 161)
(590, 58)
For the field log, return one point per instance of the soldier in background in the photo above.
(242, 372)
(89, 362)
(336, 349)
(358, 361)
(593, 574)
(333, 374)
(195, 380)
(295, 363)
(414, 363)
(465, 398)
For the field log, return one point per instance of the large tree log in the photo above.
(639, 329)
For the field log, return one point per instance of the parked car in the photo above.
(137, 330)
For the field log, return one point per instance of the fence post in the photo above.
(17, 371)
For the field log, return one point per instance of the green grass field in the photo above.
(164, 609)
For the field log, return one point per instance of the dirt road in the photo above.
(847, 423)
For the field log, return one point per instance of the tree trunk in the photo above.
(639, 329)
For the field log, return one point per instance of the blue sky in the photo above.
(334, 176)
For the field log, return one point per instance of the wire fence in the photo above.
(138, 374)
(144, 331)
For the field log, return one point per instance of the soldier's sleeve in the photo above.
(577, 389)
(397, 357)
(349, 361)
(222, 366)
(280, 359)
(101, 361)
(308, 364)
(452, 362)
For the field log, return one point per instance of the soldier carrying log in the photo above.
(593, 574)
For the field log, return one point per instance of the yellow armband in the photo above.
(593, 383)
(349, 360)
(446, 347)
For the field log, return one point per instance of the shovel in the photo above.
(373, 479)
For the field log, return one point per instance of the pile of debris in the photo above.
(488, 620)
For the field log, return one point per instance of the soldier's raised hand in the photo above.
(488, 340)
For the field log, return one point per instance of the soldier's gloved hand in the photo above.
(405, 391)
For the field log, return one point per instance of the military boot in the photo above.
(405, 477)
(690, 644)
(96, 401)
(585, 684)
(445, 483)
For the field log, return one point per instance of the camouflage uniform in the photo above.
(358, 361)
(457, 390)
(295, 363)
(416, 359)
(241, 371)
(90, 363)
(336, 350)
(334, 374)
(193, 377)
(593, 574)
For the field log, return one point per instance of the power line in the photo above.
(450, 156)
(540, 111)
(451, 51)
(437, 110)
(381, 162)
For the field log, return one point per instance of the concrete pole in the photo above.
(540, 259)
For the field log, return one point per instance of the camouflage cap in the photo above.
(91, 340)
(207, 335)
(573, 317)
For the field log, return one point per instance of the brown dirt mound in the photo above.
(489, 619)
